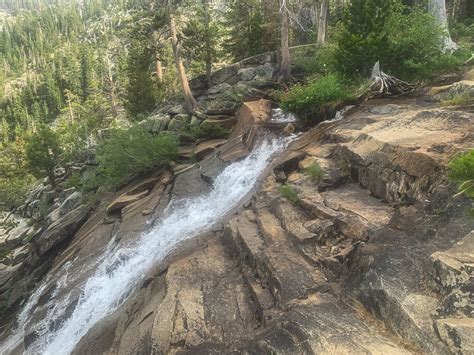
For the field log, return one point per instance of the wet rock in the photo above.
(189, 183)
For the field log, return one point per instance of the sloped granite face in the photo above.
(375, 257)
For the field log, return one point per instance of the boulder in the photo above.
(218, 107)
(71, 202)
(247, 74)
(156, 123)
(250, 114)
(225, 74)
(219, 88)
(178, 122)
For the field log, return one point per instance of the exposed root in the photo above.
(387, 85)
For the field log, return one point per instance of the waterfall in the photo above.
(120, 270)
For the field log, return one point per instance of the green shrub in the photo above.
(203, 131)
(414, 42)
(315, 62)
(314, 171)
(127, 153)
(461, 172)
(288, 192)
(315, 101)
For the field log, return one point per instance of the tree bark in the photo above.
(284, 72)
(159, 69)
(209, 58)
(438, 9)
(111, 87)
(188, 95)
(323, 20)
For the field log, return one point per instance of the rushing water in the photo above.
(121, 269)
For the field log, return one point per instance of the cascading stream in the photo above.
(121, 269)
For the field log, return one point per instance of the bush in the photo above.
(203, 131)
(314, 171)
(316, 101)
(314, 62)
(288, 192)
(127, 153)
(461, 172)
(414, 41)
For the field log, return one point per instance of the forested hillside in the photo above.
(79, 67)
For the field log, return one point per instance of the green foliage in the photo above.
(314, 62)
(462, 32)
(15, 180)
(288, 192)
(406, 41)
(141, 89)
(203, 131)
(202, 35)
(244, 21)
(363, 37)
(314, 171)
(43, 153)
(315, 101)
(461, 172)
(127, 153)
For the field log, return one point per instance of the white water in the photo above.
(121, 269)
(280, 116)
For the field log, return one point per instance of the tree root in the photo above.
(387, 85)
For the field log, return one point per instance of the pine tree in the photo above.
(363, 39)
(43, 153)
(140, 97)
(244, 20)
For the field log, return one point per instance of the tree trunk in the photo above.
(67, 93)
(284, 72)
(111, 87)
(188, 95)
(159, 69)
(437, 8)
(323, 21)
(209, 58)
